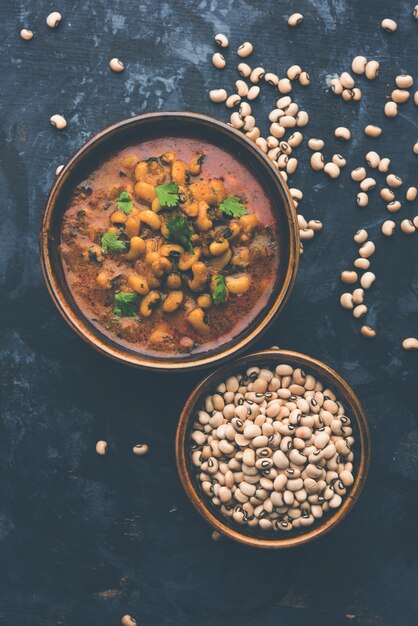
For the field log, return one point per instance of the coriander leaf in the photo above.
(220, 292)
(112, 242)
(233, 207)
(179, 231)
(126, 304)
(125, 203)
(168, 195)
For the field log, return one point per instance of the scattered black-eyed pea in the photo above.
(315, 225)
(253, 92)
(292, 165)
(236, 120)
(275, 115)
(373, 159)
(404, 81)
(253, 134)
(242, 91)
(367, 184)
(361, 236)
(358, 296)
(339, 160)
(347, 94)
(306, 234)
(292, 109)
(116, 65)
(221, 40)
(302, 223)
(219, 61)
(218, 95)
(262, 144)
(233, 101)
(391, 109)
(287, 121)
(394, 206)
(128, 620)
(387, 194)
(384, 165)
(411, 343)
(293, 72)
(362, 199)
(389, 25)
(284, 85)
(367, 280)
(271, 79)
(257, 74)
(26, 34)
(388, 228)
(346, 301)
(349, 277)
(249, 123)
(415, 148)
(315, 144)
(317, 161)
(304, 79)
(358, 174)
(373, 131)
(347, 80)
(367, 249)
(415, 221)
(362, 264)
(216, 536)
(394, 181)
(411, 194)
(244, 109)
(400, 96)
(372, 69)
(407, 227)
(58, 121)
(140, 449)
(296, 194)
(336, 86)
(295, 19)
(359, 311)
(244, 69)
(53, 19)
(370, 333)
(416, 98)
(302, 119)
(332, 170)
(295, 139)
(245, 49)
(283, 102)
(101, 447)
(358, 64)
(59, 170)
(415, 12)
(342, 133)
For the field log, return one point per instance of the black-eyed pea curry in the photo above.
(170, 246)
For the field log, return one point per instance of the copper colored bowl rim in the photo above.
(117, 351)
(345, 394)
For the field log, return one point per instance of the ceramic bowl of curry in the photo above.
(169, 241)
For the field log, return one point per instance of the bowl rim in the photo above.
(117, 351)
(347, 396)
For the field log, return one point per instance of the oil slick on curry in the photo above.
(170, 246)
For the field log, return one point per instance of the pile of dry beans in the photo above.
(272, 449)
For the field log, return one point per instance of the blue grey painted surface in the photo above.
(85, 539)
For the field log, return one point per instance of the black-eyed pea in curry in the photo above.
(170, 246)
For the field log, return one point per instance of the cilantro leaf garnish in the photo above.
(220, 292)
(111, 241)
(125, 203)
(233, 207)
(179, 231)
(168, 195)
(126, 304)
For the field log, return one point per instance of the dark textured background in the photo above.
(84, 539)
